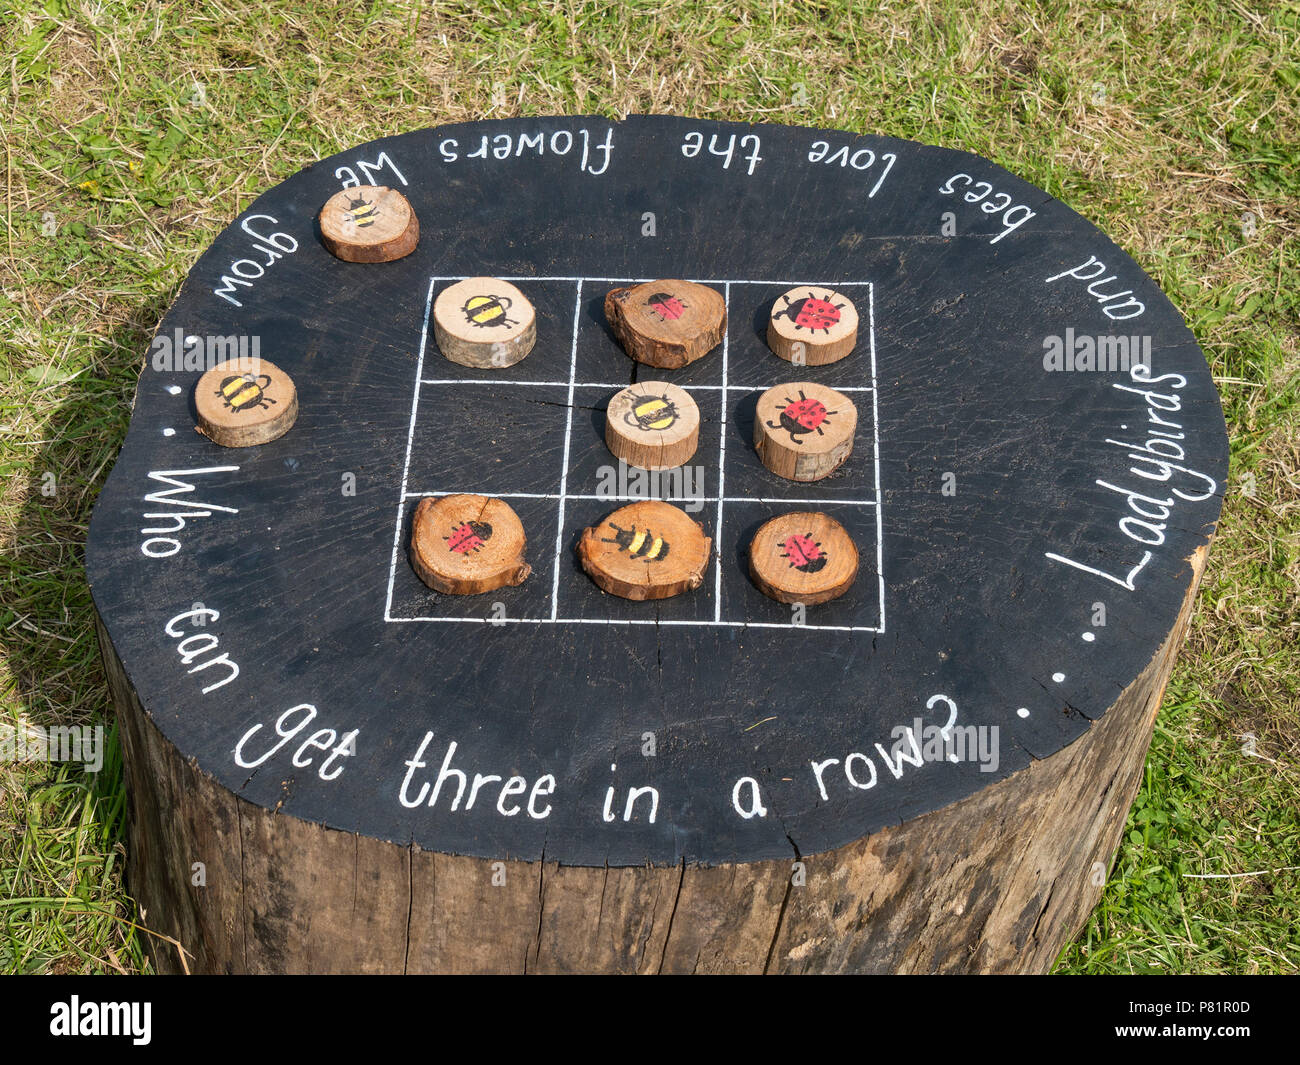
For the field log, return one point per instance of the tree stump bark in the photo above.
(1036, 848)
(333, 767)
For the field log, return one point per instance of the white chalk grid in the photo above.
(533, 435)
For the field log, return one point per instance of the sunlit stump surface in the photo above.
(334, 767)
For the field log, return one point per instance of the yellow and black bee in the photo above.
(639, 543)
(651, 413)
(362, 212)
(484, 311)
(245, 391)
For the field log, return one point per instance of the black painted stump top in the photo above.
(1024, 518)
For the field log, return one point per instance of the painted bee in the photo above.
(362, 212)
(245, 391)
(639, 543)
(802, 415)
(651, 413)
(484, 311)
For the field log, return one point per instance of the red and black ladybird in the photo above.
(801, 416)
(468, 536)
(805, 553)
(812, 312)
(667, 307)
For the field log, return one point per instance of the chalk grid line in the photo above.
(563, 496)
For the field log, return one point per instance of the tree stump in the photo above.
(334, 767)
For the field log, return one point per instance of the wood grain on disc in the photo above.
(484, 322)
(653, 425)
(647, 550)
(467, 544)
(812, 326)
(369, 224)
(667, 323)
(803, 557)
(244, 402)
(804, 431)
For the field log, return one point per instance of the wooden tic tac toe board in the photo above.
(266, 616)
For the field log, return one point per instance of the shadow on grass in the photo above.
(63, 906)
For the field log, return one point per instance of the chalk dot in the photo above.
(1123, 426)
(1058, 677)
(169, 432)
(175, 390)
(1023, 712)
(1088, 637)
(191, 340)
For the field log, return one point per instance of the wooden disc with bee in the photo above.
(243, 402)
(484, 322)
(667, 323)
(803, 557)
(467, 544)
(646, 550)
(804, 431)
(653, 425)
(369, 224)
(812, 325)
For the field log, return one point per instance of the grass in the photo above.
(133, 132)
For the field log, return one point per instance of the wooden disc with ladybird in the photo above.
(245, 402)
(484, 322)
(467, 544)
(369, 224)
(804, 431)
(803, 557)
(653, 425)
(646, 550)
(668, 323)
(812, 326)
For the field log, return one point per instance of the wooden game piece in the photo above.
(467, 544)
(243, 402)
(369, 224)
(803, 557)
(667, 324)
(646, 550)
(804, 431)
(653, 425)
(484, 323)
(812, 326)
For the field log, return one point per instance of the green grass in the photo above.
(133, 132)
